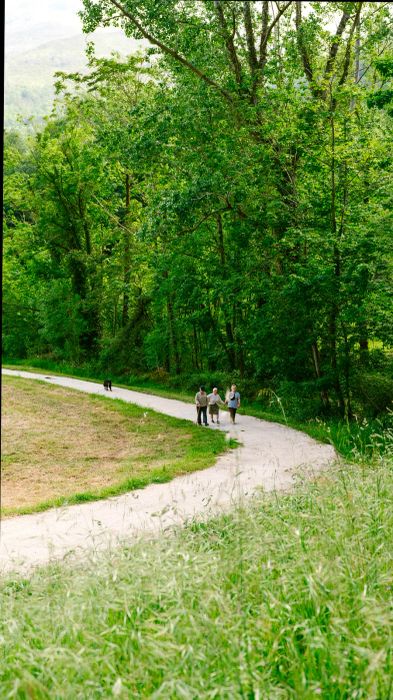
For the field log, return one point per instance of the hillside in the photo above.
(29, 75)
(29, 23)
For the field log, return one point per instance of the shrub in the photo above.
(374, 391)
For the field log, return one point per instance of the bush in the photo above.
(247, 387)
(300, 400)
(374, 391)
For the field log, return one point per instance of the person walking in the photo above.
(214, 400)
(201, 405)
(233, 401)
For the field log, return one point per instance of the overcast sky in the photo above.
(29, 23)
(38, 11)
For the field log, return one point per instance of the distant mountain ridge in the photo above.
(42, 37)
(29, 76)
(30, 23)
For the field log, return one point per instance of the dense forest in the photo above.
(219, 206)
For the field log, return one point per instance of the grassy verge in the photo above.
(124, 447)
(136, 384)
(356, 440)
(289, 598)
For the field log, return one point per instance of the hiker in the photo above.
(201, 405)
(233, 401)
(214, 400)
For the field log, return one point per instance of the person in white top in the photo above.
(214, 400)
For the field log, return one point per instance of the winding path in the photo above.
(269, 456)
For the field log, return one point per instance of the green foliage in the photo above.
(374, 391)
(383, 96)
(213, 213)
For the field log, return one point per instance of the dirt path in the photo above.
(268, 458)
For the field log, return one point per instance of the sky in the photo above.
(29, 23)
(39, 11)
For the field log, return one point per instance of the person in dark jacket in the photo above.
(201, 405)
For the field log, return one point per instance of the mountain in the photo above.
(42, 37)
(30, 23)
(29, 77)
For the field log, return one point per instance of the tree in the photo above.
(224, 205)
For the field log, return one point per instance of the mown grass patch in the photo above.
(289, 597)
(61, 447)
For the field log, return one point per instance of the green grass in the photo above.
(354, 440)
(60, 368)
(289, 598)
(182, 447)
(193, 461)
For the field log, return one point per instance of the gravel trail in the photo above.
(269, 456)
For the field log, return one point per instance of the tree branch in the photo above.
(268, 30)
(111, 216)
(381, 51)
(194, 228)
(171, 52)
(229, 43)
(265, 28)
(335, 44)
(349, 46)
(252, 54)
(303, 50)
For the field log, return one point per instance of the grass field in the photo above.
(60, 446)
(290, 598)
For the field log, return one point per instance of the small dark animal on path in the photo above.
(108, 384)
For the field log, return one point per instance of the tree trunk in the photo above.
(363, 342)
(336, 278)
(173, 337)
(347, 366)
(238, 347)
(317, 365)
(126, 258)
(195, 354)
(173, 344)
(229, 329)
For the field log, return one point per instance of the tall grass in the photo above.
(287, 598)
